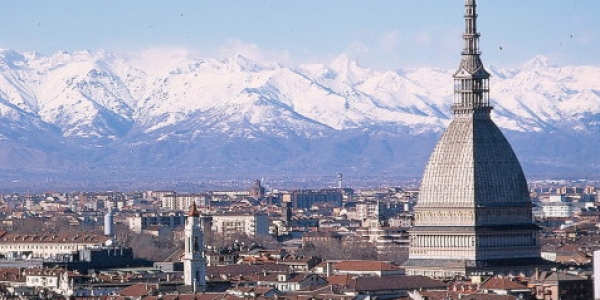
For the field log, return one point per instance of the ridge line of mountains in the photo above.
(168, 115)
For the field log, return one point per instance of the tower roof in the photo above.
(473, 165)
(471, 80)
(471, 65)
(193, 210)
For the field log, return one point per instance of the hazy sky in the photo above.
(382, 34)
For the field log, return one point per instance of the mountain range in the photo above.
(94, 116)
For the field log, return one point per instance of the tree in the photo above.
(344, 250)
(151, 248)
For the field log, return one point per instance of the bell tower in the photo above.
(194, 262)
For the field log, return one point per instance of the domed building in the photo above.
(474, 213)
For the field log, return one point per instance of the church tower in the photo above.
(194, 264)
(473, 216)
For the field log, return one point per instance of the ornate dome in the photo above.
(474, 214)
(473, 165)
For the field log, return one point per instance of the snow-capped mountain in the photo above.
(160, 109)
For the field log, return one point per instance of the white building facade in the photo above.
(250, 224)
(194, 263)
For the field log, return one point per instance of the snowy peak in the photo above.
(165, 108)
(105, 95)
(240, 63)
(12, 60)
(83, 97)
(539, 62)
(348, 71)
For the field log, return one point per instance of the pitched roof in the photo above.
(243, 269)
(343, 280)
(138, 290)
(175, 256)
(364, 265)
(203, 296)
(61, 237)
(11, 274)
(442, 295)
(395, 282)
(497, 283)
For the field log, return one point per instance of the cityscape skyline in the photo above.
(387, 36)
(129, 177)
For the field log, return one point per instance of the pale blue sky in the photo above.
(382, 34)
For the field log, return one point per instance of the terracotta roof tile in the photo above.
(396, 282)
(137, 290)
(81, 237)
(442, 295)
(342, 280)
(496, 283)
(364, 265)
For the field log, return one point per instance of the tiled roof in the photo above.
(11, 274)
(81, 237)
(364, 265)
(443, 295)
(256, 290)
(185, 297)
(44, 272)
(205, 296)
(342, 280)
(569, 248)
(175, 256)
(496, 283)
(396, 282)
(137, 290)
(291, 278)
(295, 260)
(552, 278)
(243, 269)
(576, 257)
(259, 259)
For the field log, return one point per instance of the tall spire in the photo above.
(473, 215)
(194, 261)
(471, 81)
(193, 210)
(471, 35)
